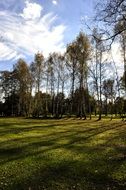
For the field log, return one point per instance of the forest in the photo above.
(83, 81)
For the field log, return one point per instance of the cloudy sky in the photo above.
(29, 26)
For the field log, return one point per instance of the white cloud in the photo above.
(54, 2)
(25, 34)
(31, 11)
(116, 52)
(115, 58)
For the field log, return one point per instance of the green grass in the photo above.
(67, 154)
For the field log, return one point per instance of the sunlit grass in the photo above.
(62, 154)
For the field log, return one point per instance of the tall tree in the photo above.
(120, 26)
(83, 52)
(9, 92)
(51, 80)
(97, 71)
(23, 77)
(113, 14)
(71, 56)
(60, 76)
(37, 69)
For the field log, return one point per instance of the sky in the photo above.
(31, 26)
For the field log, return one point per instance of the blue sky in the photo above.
(29, 26)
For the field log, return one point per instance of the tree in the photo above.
(71, 56)
(9, 91)
(38, 105)
(37, 68)
(119, 26)
(56, 76)
(60, 78)
(108, 92)
(83, 52)
(123, 44)
(111, 12)
(51, 79)
(24, 78)
(97, 67)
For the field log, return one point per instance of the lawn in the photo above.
(66, 154)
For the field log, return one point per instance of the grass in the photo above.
(67, 154)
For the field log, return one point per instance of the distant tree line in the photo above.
(81, 82)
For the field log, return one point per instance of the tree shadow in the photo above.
(85, 167)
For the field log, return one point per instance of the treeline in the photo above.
(81, 82)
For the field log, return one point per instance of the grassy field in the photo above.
(67, 154)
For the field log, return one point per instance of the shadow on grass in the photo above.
(49, 140)
(64, 170)
(68, 175)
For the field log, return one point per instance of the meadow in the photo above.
(64, 154)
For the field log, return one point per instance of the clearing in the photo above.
(66, 154)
